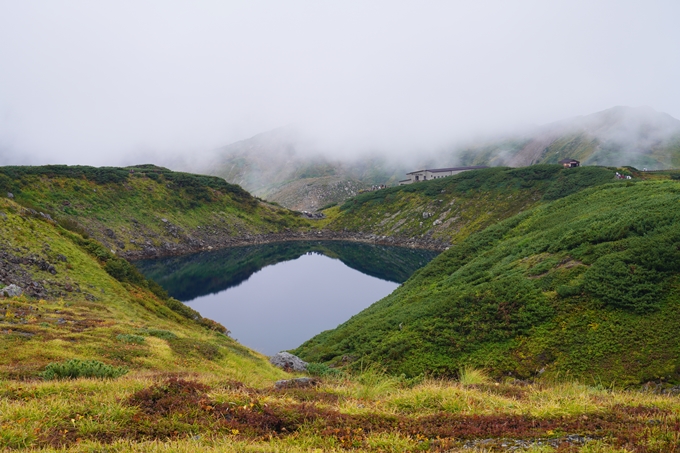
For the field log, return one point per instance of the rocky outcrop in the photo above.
(297, 383)
(35, 274)
(11, 291)
(288, 362)
(312, 194)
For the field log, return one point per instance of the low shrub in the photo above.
(99, 175)
(123, 271)
(158, 333)
(73, 226)
(329, 205)
(75, 368)
(323, 370)
(189, 313)
(174, 395)
(130, 338)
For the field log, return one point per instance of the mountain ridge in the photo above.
(280, 164)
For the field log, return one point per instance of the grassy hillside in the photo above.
(449, 209)
(81, 301)
(190, 388)
(584, 286)
(144, 208)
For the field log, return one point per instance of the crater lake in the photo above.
(274, 297)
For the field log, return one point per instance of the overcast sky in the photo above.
(102, 82)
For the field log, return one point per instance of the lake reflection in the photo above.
(274, 297)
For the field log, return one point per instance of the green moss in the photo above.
(158, 333)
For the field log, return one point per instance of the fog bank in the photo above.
(112, 83)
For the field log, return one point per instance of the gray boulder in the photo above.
(302, 382)
(288, 361)
(11, 291)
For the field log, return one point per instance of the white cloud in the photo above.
(106, 82)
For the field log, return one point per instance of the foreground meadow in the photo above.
(368, 412)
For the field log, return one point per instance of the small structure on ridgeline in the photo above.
(435, 173)
(570, 163)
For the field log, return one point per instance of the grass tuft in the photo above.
(468, 375)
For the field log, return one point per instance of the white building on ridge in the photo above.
(435, 173)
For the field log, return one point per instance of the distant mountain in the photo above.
(620, 136)
(283, 166)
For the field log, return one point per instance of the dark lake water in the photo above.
(274, 297)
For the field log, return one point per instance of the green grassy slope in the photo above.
(571, 146)
(449, 209)
(144, 207)
(81, 301)
(585, 286)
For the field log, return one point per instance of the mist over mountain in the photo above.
(635, 136)
(287, 166)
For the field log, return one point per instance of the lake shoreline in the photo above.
(222, 242)
(235, 286)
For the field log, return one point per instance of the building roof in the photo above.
(439, 170)
(567, 161)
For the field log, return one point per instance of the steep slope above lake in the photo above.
(449, 209)
(585, 286)
(146, 210)
(80, 301)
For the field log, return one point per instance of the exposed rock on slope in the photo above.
(312, 194)
(449, 209)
